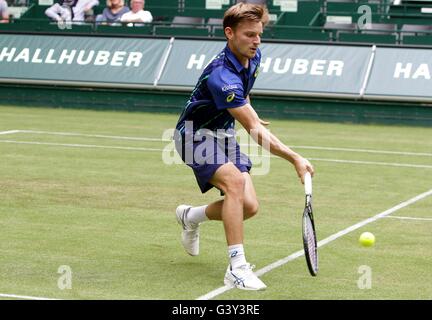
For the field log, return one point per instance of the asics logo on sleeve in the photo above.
(231, 97)
(229, 87)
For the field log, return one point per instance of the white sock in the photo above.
(237, 256)
(197, 215)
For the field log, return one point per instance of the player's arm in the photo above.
(263, 122)
(249, 119)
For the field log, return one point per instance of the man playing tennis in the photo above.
(205, 139)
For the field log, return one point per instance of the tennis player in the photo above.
(205, 139)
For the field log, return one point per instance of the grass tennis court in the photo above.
(78, 189)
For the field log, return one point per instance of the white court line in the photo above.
(366, 151)
(168, 140)
(75, 145)
(323, 242)
(9, 132)
(410, 218)
(24, 297)
(92, 135)
(393, 164)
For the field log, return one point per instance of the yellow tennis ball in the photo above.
(367, 239)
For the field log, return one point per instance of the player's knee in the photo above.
(250, 208)
(235, 185)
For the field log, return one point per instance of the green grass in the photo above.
(109, 213)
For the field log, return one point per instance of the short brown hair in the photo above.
(245, 12)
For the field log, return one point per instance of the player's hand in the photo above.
(302, 165)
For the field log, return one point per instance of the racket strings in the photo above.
(311, 241)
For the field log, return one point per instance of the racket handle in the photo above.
(308, 183)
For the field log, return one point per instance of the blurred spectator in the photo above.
(112, 14)
(18, 3)
(70, 10)
(84, 10)
(137, 15)
(4, 12)
(261, 2)
(61, 11)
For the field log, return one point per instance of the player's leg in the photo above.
(231, 181)
(250, 204)
(191, 217)
(237, 187)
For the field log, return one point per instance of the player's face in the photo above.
(245, 39)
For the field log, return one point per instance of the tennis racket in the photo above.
(309, 235)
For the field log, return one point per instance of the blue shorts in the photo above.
(207, 155)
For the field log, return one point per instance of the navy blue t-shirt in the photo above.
(225, 83)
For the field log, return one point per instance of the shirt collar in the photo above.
(231, 57)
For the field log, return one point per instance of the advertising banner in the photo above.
(284, 67)
(402, 73)
(80, 59)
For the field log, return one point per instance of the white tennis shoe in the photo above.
(243, 278)
(190, 232)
